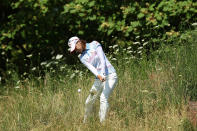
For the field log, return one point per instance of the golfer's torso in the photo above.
(91, 56)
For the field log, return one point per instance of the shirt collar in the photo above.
(87, 48)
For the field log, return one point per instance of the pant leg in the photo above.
(95, 91)
(109, 84)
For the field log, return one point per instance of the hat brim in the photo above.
(72, 48)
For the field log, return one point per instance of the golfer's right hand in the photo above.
(101, 78)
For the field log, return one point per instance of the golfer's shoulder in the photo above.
(94, 44)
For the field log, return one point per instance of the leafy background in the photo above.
(33, 31)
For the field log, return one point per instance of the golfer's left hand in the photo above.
(101, 78)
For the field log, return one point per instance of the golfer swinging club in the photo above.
(93, 57)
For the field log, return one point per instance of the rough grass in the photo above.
(150, 95)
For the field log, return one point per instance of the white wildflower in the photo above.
(110, 46)
(56, 62)
(43, 63)
(145, 43)
(79, 55)
(129, 48)
(69, 49)
(114, 46)
(72, 76)
(18, 82)
(76, 71)
(29, 56)
(139, 48)
(59, 57)
(33, 69)
(114, 59)
(0, 78)
(137, 37)
(194, 24)
(17, 87)
(62, 67)
(144, 91)
(139, 52)
(135, 43)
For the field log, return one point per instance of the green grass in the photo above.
(150, 95)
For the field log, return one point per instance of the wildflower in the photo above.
(115, 46)
(0, 78)
(43, 63)
(59, 57)
(139, 48)
(145, 43)
(137, 37)
(29, 56)
(79, 55)
(72, 76)
(129, 48)
(114, 59)
(56, 62)
(139, 52)
(144, 91)
(62, 67)
(48, 64)
(76, 71)
(135, 43)
(110, 46)
(17, 87)
(33, 69)
(194, 24)
(69, 49)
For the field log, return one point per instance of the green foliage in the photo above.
(44, 26)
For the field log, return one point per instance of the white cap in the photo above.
(72, 42)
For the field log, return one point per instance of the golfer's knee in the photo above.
(103, 99)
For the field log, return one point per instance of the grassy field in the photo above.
(151, 95)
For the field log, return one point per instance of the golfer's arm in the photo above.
(90, 67)
(101, 56)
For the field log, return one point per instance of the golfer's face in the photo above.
(78, 47)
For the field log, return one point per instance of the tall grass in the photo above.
(150, 95)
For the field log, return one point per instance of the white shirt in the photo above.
(95, 60)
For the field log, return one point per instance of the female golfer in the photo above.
(93, 57)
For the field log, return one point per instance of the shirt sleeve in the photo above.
(101, 56)
(90, 67)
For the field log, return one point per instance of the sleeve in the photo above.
(90, 67)
(101, 56)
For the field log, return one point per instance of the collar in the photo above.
(87, 48)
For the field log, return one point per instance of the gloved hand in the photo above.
(101, 78)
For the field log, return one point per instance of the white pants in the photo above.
(102, 89)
